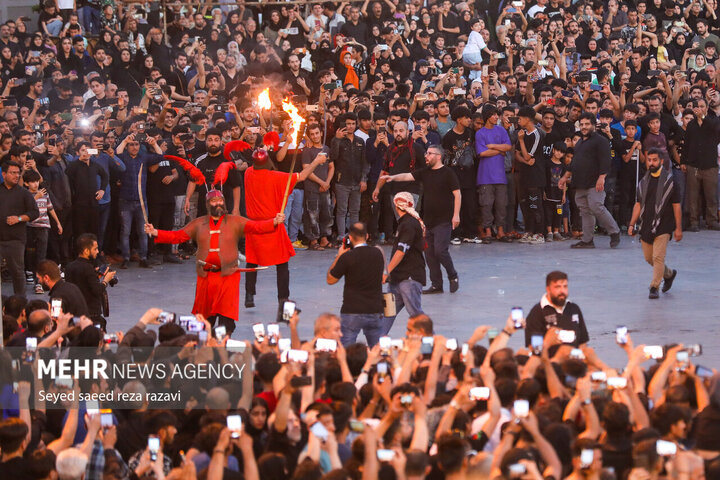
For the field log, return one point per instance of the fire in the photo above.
(263, 100)
(297, 120)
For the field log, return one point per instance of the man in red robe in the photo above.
(218, 276)
(264, 192)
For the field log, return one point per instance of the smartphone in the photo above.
(106, 418)
(518, 317)
(67, 382)
(357, 426)
(259, 331)
(521, 408)
(220, 332)
(566, 336)
(617, 382)
(665, 448)
(195, 326)
(536, 343)
(492, 333)
(165, 317)
(312, 108)
(30, 348)
(682, 356)
(566, 93)
(451, 344)
(326, 345)
(202, 338)
(273, 332)
(704, 372)
(479, 393)
(385, 344)
(399, 344)
(385, 455)
(577, 354)
(653, 351)
(587, 456)
(595, 87)
(234, 424)
(426, 347)
(621, 335)
(284, 344)
(694, 350)
(464, 350)
(406, 400)
(319, 430)
(288, 310)
(195, 127)
(235, 345)
(55, 307)
(598, 376)
(301, 381)
(543, 63)
(153, 446)
(92, 407)
(517, 470)
(653, 73)
(382, 371)
(297, 356)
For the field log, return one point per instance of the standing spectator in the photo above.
(82, 272)
(82, 175)
(406, 269)
(362, 266)
(294, 207)
(658, 211)
(700, 155)
(347, 153)
(318, 204)
(17, 208)
(73, 301)
(39, 229)
(162, 179)
(528, 154)
(491, 143)
(131, 212)
(441, 213)
(554, 196)
(590, 165)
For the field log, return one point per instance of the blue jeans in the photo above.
(408, 293)
(131, 214)
(347, 199)
(55, 27)
(294, 213)
(370, 323)
(89, 17)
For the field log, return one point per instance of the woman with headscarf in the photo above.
(323, 53)
(346, 70)
(272, 26)
(421, 74)
(127, 76)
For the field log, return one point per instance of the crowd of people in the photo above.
(425, 125)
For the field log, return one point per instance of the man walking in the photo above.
(659, 213)
(362, 266)
(17, 208)
(441, 213)
(588, 169)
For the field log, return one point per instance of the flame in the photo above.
(263, 100)
(297, 120)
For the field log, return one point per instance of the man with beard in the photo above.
(556, 313)
(217, 236)
(658, 211)
(207, 164)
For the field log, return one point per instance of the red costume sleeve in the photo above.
(174, 237)
(259, 226)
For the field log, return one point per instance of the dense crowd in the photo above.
(547, 113)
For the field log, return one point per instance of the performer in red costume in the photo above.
(264, 192)
(218, 275)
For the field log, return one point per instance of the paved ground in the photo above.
(609, 285)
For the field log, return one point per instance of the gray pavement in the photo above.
(610, 286)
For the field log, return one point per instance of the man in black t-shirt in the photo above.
(362, 266)
(441, 213)
(161, 188)
(658, 210)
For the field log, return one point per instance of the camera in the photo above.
(103, 270)
(141, 137)
(185, 137)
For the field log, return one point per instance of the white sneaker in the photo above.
(455, 241)
(525, 238)
(241, 258)
(536, 239)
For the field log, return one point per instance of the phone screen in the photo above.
(621, 335)
(31, 344)
(521, 408)
(259, 331)
(479, 393)
(234, 424)
(451, 344)
(220, 332)
(326, 345)
(536, 342)
(586, 458)
(517, 316)
(288, 310)
(106, 419)
(427, 345)
(319, 430)
(55, 308)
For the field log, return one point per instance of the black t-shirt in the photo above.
(532, 175)
(667, 217)
(362, 268)
(399, 160)
(207, 165)
(454, 143)
(411, 241)
(450, 21)
(438, 199)
(13, 468)
(541, 319)
(157, 191)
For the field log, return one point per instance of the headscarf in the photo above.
(404, 201)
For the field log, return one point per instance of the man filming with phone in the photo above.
(362, 266)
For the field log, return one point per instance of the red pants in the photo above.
(218, 295)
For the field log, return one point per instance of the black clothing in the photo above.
(13, 468)
(207, 165)
(701, 143)
(591, 159)
(454, 144)
(363, 269)
(279, 442)
(81, 272)
(540, 319)
(359, 32)
(157, 191)
(438, 199)
(351, 167)
(532, 176)
(73, 301)
(667, 222)
(15, 201)
(83, 182)
(398, 159)
(411, 241)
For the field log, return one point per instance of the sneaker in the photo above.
(614, 240)
(525, 238)
(432, 290)
(38, 289)
(549, 237)
(456, 241)
(298, 245)
(582, 244)
(29, 278)
(558, 237)
(653, 293)
(454, 284)
(667, 283)
(241, 258)
(249, 300)
(537, 239)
